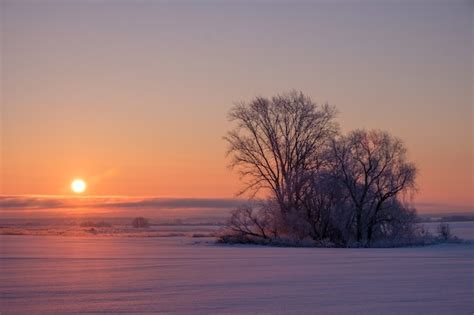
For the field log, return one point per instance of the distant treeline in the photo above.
(449, 218)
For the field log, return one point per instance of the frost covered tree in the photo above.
(373, 168)
(255, 220)
(278, 142)
(321, 186)
(324, 206)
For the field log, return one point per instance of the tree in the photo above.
(324, 207)
(278, 143)
(253, 221)
(373, 167)
(140, 222)
(326, 188)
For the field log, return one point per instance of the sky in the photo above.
(133, 96)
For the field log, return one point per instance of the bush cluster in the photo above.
(322, 186)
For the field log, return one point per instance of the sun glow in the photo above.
(78, 186)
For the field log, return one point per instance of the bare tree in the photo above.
(321, 186)
(254, 222)
(277, 143)
(323, 204)
(373, 167)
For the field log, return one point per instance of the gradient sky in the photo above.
(132, 96)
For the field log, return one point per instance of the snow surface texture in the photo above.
(55, 274)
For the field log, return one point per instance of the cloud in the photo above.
(23, 202)
(171, 203)
(56, 202)
(430, 207)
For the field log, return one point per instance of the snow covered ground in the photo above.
(57, 274)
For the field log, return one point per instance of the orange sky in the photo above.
(133, 97)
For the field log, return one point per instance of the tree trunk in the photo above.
(359, 226)
(369, 233)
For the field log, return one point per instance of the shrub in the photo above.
(140, 222)
(92, 230)
(254, 222)
(444, 232)
(261, 223)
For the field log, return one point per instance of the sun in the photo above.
(78, 186)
